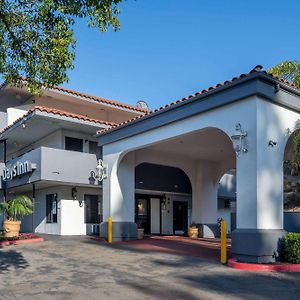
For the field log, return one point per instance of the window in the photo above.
(2, 151)
(73, 144)
(95, 149)
(93, 209)
(51, 208)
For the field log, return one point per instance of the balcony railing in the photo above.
(49, 164)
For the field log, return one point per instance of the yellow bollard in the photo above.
(223, 243)
(109, 235)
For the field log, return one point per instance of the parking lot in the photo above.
(80, 268)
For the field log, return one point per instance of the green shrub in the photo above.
(291, 248)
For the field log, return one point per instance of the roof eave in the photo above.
(263, 76)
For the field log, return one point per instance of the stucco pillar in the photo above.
(204, 199)
(259, 195)
(118, 196)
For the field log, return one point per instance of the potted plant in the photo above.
(18, 207)
(193, 231)
(140, 230)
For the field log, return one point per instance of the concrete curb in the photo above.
(280, 267)
(25, 241)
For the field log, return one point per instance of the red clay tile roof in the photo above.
(256, 69)
(99, 99)
(60, 113)
(91, 97)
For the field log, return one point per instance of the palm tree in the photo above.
(288, 70)
(18, 207)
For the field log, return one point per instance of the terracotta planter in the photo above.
(11, 228)
(140, 233)
(193, 232)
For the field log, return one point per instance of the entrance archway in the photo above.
(291, 195)
(163, 199)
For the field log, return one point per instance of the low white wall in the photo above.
(72, 215)
(70, 219)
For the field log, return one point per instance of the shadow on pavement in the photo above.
(13, 259)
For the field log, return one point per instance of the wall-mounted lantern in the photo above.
(101, 171)
(238, 140)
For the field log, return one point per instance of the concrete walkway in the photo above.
(78, 268)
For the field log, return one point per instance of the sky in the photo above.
(169, 49)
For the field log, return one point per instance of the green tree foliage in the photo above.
(288, 70)
(19, 206)
(296, 149)
(37, 38)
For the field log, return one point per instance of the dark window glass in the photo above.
(2, 158)
(51, 208)
(93, 209)
(95, 149)
(73, 144)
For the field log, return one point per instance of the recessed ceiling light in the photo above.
(141, 182)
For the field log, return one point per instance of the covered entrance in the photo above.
(241, 124)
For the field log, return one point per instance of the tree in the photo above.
(37, 39)
(288, 70)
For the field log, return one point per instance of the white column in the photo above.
(205, 194)
(260, 183)
(118, 196)
(260, 190)
(118, 188)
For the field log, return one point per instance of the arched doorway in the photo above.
(291, 195)
(163, 199)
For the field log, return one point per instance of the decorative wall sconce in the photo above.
(272, 143)
(238, 140)
(101, 171)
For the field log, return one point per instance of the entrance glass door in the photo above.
(142, 215)
(180, 217)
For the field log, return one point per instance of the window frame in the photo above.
(51, 217)
(73, 138)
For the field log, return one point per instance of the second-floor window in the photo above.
(73, 144)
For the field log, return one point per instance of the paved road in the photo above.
(78, 268)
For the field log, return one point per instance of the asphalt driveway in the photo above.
(79, 268)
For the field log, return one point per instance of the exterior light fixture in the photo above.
(272, 143)
(238, 140)
(101, 171)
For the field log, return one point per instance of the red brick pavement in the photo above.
(207, 248)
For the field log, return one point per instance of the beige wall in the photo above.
(90, 109)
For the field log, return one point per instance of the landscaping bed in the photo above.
(23, 238)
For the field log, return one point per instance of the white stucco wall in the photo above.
(70, 219)
(259, 204)
(72, 215)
